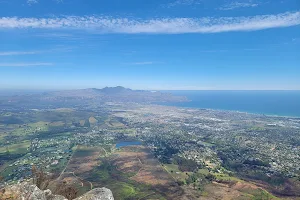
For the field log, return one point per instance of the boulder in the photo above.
(97, 194)
(22, 191)
(28, 191)
(50, 196)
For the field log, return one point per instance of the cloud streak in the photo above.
(16, 53)
(155, 26)
(236, 5)
(142, 63)
(59, 48)
(183, 2)
(30, 2)
(24, 64)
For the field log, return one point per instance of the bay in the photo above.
(280, 103)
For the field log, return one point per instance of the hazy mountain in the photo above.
(115, 92)
(107, 94)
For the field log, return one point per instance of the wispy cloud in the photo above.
(30, 2)
(24, 64)
(236, 5)
(59, 48)
(213, 51)
(229, 50)
(295, 40)
(62, 36)
(54, 35)
(141, 63)
(16, 53)
(155, 26)
(182, 2)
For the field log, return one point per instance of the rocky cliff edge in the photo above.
(27, 191)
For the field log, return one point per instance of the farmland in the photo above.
(166, 153)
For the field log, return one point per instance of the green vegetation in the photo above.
(60, 166)
(120, 183)
(203, 171)
(258, 194)
(189, 149)
(114, 122)
(83, 151)
(226, 177)
(123, 190)
(19, 148)
(174, 171)
(185, 165)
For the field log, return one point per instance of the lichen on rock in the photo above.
(29, 191)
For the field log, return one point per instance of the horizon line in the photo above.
(57, 89)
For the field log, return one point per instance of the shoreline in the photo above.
(238, 111)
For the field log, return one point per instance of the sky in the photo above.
(150, 44)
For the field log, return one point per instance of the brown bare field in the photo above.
(128, 162)
(82, 122)
(221, 191)
(93, 120)
(145, 168)
(138, 160)
(233, 190)
(244, 186)
(84, 159)
(58, 123)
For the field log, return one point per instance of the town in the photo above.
(215, 143)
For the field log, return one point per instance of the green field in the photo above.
(15, 148)
(226, 177)
(173, 170)
(258, 194)
(107, 175)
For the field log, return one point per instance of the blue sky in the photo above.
(150, 44)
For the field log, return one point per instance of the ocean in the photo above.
(280, 103)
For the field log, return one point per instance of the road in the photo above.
(63, 171)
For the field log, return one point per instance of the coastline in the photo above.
(229, 110)
(265, 103)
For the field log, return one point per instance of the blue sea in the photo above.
(280, 103)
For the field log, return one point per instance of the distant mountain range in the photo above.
(107, 94)
(119, 90)
(118, 93)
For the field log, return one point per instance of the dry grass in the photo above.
(93, 120)
(84, 159)
(57, 123)
(137, 159)
(82, 122)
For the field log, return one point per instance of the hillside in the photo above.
(87, 96)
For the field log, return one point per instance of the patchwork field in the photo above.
(84, 159)
(81, 163)
(131, 173)
(114, 122)
(15, 148)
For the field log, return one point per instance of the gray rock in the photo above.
(23, 191)
(28, 191)
(97, 194)
(50, 196)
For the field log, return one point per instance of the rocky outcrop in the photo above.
(22, 191)
(97, 194)
(50, 196)
(28, 191)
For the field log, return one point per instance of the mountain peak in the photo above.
(115, 90)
